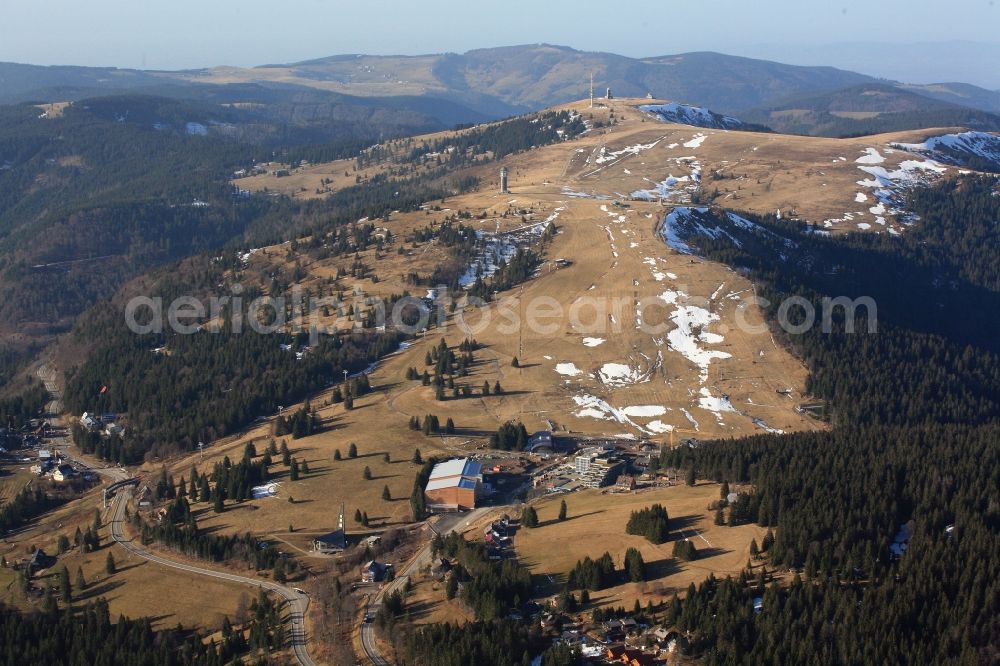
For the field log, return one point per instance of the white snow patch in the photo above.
(871, 156)
(647, 411)
(696, 141)
(267, 490)
(659, 427)
(567, 369)
(619, 374)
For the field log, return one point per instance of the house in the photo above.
(39, 560)
(63, 473)
(441, 567)
(90, 422)
(635, 657)
(626, 483)
(615, 652)
(373, 571)
(454, 485)
(44, 455)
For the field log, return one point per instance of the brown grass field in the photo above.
(613, 255)
(137, 589)
(596, 523)
(592, 233)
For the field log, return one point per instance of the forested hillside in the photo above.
(916, 440)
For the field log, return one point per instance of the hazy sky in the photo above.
(174, 34)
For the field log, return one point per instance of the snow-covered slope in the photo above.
(690, 115)
(684, 226)
(979, 150)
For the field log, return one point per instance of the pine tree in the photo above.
(336, 455)
(691, 477)
(357, 516)
(634, 566)
(65, 589)
(386, 495)
(515, 363)
(352, 450)
(417, 458)
(367, 474)
(109, 564)
(562, 510)
(219, 505)
(81, 582)
(529, 517)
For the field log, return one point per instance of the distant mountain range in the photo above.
(869, 108)
(492, 83)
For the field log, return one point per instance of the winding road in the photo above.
(298, 603)
(448, 523)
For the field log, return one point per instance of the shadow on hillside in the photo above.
(569, 518)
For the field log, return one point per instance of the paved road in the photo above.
(446, 524)
(297, 603)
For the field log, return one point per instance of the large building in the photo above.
(597, 467)
(454, 485)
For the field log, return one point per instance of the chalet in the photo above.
(90, 422)
(63, 473)
(615, 652)
(373, 571)
(441, 567)
(634, 657)
(626, 483)
(38, 561)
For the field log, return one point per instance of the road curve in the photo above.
(451, 522)
(297, 603)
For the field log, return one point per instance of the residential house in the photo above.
(63, 473)
(373, 571)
